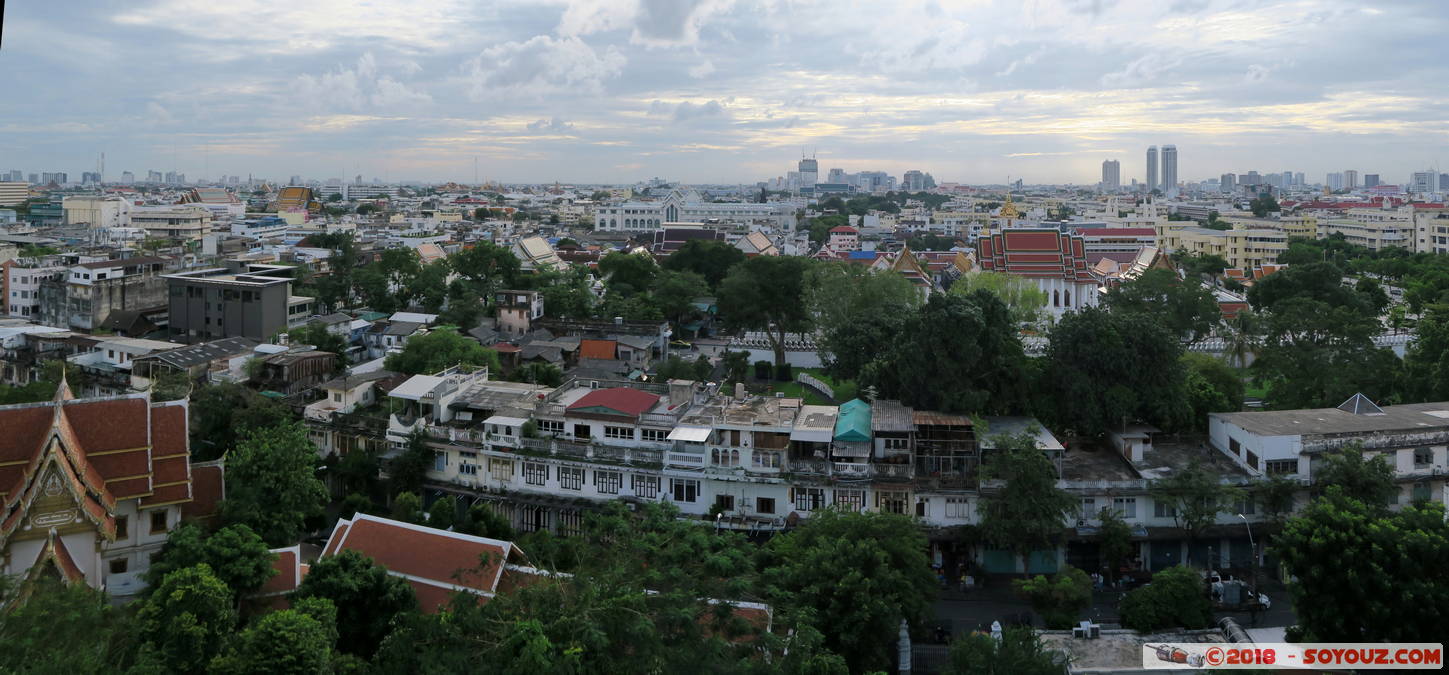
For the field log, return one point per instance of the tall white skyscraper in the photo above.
(1350, 179)
(1111, 175)
(1169, 170)
(809, 172)
(1152, 183)
(1334, 181)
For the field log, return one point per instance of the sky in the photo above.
(723, 91)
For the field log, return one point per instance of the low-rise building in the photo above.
(82, 298)
(242, 300)
(183, 223)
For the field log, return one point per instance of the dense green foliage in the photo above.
(367, 598)
(1186, 308)
(1176, 598)
(271, 483)
(1019, 652)
(1026, 513)
(1022, 295)
(767, 293)
(1059, 599)
(223, 414)
(1106, 369)
(236, 555)
(439, 349)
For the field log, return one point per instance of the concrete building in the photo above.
(182, 223)
(1241, 247)
(1350, 179)
(243, 300)
(96, 211)
(1371, 180)
(1228, 182)
(1424, 182)
(13, 192)
(22, 286)
(682, 206)
(86, 295)
(1376, 229)
(1169, 170)
(1152, 182)
(1411, 438)
(1111, 175)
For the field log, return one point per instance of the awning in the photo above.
(813, 435)
(850, 449)
(690, 434)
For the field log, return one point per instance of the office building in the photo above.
(179, 222)
(1444, 181)
(1424, 182)
(809, 172)
(13, 192)
(1334, 181)
(1350, 179)
(1299, 179)
(127, 177)
(914, 181)
(1371, 180)
(1169, 170)
(1152, 183)
(1228, 182)
(1111, 175)
(687, 206)
(243, 300)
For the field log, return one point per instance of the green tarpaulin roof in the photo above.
(853, 423)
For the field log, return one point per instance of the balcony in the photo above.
(809, 467)
(850, 470)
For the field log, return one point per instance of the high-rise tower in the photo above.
(1152, 183)
(1169, 170)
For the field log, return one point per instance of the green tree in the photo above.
(567, 294)
(439, 349)
(736, 366)
(288, 642)
(1362, 574)
(1107, 369)
(767, 293)
(537, 372)
(170, 385)
(408, 508)
(429, 287)
(1426, 361)
(674, 294)
(1019, 652)
(443, 513)
(839, 296)
(1059, 599)
(1195, 497)
(1176, 598)
(486, 267)
(1263, 204)
(1212, 386)
(321, 339)
(1184, 307)
(272, 485)
(628, 273)
(188, 619)
(482, 521)
(465, 307)
(235, 554)
(957, 354)
(709, 258)
(1114, 540)
(1357, 476)
(222, 414)
(367, 598)
(63, 628)
(1026, 300)
(1315, 354)
(855, 575)
(1028, 512)
(1202, 264)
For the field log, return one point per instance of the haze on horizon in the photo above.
(723, 91)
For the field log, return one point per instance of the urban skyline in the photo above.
(720, 92)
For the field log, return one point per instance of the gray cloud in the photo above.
(552, 125)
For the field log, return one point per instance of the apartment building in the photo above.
(185, 223)
(22, 286)
(86, 294)
(1242, 248)
(1412, 438)
(1376, 229)
(96, 211)
(242, 300)
(1298, 225)
(13, 192)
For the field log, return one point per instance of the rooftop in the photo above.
(1329, 421)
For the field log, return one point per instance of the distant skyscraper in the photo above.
(1350, 179)
(836, 176)
(809, 172)
(1299, 179)
(1152, 183)
(1111, 175)
(1288, 179)
(34, 178)
(1169, 170)
(1424, 181)
(1334, 181)
(1228, 182)
(1252, 178)
(1371, 180)
(914, 180)
(1444, 181)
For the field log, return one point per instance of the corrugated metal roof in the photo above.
(890, 416)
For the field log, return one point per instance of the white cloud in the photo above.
(356, 88)
(702, 70)
(1142, 72)
(552, 125)
(653, 23)
(542, 65)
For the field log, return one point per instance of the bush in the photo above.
(1175, 598)
(1060, 599)
(783, 374)
(762, 370)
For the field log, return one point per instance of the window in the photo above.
(608, 482)
(1125, 506)
(467, 469)
(550, 426)
(957, 507)
(645, 487)
(502, 469)
(1234, 446)
(765, 459)
(725, 502)
(850, 500)
(724, 457)
(922, 507)
(809, 499)
(581, 431)
(897, 443)
(1423, 456)
(1282, 466)
(1089, 508)
(890, 501)
(570, 478)
(119, 565)
(1418, 493)
(440, 461)
(570, 522)
(619, 432)
(1245, 506)
(337, 397)
(158, 522)
(683, 490)
(1253, 461)
(1162, 509)
(123, 527)
(765, 504)
(654, 435)
(535, 473)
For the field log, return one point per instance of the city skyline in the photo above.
(719, 91)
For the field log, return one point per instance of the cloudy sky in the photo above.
(723, 90)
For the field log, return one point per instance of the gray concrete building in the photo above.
(85, 295)
(244, 300)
